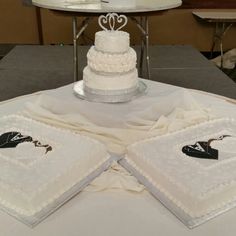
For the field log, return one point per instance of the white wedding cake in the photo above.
(41, 167)
(111, 68)
(192, 172)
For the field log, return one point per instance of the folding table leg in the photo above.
(142, 51)
(221, 29)
(143, 26)
(147, 47)
(76, 35)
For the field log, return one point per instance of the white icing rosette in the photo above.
(111, 63)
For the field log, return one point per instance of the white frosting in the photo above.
(101, 81)
(111, 63)
(112, 41)
(227, 145)
(27, 189)
(24, 154)
(119, 3)
(111, 66)
(195, 186)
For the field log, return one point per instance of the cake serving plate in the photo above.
(115, 97)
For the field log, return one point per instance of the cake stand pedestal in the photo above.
(139, 14)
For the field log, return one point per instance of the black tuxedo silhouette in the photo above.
(12, 139)
(203, 149)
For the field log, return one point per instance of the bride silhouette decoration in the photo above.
(203, 149)
(13, 139)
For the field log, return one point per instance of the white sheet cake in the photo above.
(192, 172)
(41, 167)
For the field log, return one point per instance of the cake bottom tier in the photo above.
(110, 84)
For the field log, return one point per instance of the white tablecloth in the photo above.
(118, 212)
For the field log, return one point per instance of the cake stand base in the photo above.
(121, 98)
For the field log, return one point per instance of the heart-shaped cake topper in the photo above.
(111, 20)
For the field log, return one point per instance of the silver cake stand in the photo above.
(80, 92)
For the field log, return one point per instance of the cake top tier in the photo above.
(112, 39)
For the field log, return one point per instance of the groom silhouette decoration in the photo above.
(203, 149)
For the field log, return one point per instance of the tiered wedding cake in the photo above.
(111, 68)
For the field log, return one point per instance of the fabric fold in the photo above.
(119, 125)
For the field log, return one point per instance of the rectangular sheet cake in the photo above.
(41, 167)
(192, 172)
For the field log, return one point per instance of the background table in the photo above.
(143, 9)
(223, 21)
(118, 212)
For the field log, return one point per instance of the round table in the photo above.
(96, 7)
(118, 212)
(138, 14)
(223, 21)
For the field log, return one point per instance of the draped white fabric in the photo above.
(120, 125)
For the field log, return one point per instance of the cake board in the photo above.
(66, 197)
(180, 214)
(80, 92)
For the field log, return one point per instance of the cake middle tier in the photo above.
(112, 63)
